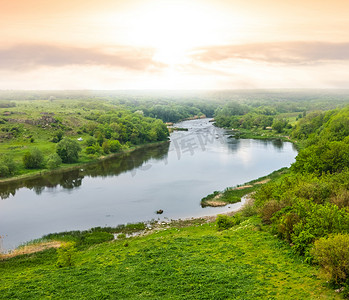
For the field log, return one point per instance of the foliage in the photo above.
(33, 159)
(324, 157)
(58, 136)
(8, 166)
(53, 161)
(311, 202)
(332, 254)
(195, 262)
(279, 124)
(93, 149)
(96, 237)
(225, 222)
(106, 147)
(68, 150)
(114, 146)
(90, 141)
(65, 255)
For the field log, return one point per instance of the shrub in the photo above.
(106, 147)
(332, 254)
(7, 166)
(268, 209)
(33, 159)
(97, 237)
(121, 236)
(68, 150)
(341, 198)
(65, 255)
(115, 146)
(90, 141)
(90, 150)
(286, 224)
(58, 136)
(249, 210)
(53, 161)
(223, 222)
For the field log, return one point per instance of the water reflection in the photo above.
(73, 179)
(277, 143)
(233, 145)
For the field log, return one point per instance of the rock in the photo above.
(159, 212)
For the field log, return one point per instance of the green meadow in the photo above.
(175, 262)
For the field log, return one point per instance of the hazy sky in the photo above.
(150, 44)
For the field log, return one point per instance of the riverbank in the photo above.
(234, 194)
(262, 134)
(69, 167)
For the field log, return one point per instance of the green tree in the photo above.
(115, 146)
(8, 166)
(68, 150)
(279, 124)
(106, 147)
(33, 159)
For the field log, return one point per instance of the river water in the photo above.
(132, 187)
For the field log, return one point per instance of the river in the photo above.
(132, 187)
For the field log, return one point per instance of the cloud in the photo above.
(278, 53)
(34, 56)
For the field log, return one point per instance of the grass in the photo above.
(193, 262)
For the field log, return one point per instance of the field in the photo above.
(176, 262)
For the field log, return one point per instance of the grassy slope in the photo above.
(70, 112)
(72, 115)
(195, 262)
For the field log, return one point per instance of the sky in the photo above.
(182, 44)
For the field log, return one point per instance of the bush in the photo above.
(223, 222)
(115, 146)
(249, 210)
(332, 254)
(90, 141)
(106, 147)
(53, 161)
(286, 224)
(97, 237)
(92, 149)
(7, 166)
(33, 159)
(121, 236)
(268, 210)
(341, 198)
(65, 255)
(68, 150)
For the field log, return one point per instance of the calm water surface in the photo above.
(130, 188)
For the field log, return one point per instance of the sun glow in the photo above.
(173, 28)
